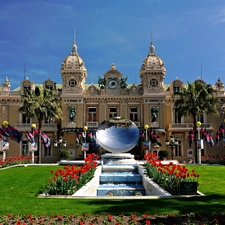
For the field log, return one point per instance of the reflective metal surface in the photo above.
(118, 135)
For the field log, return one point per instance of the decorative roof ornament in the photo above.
(219, 84)
(152, 49)
(74, 47)
(113, 67)
(6, 84)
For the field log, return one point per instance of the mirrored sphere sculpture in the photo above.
(118, 135)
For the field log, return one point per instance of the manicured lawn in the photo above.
(20, 187)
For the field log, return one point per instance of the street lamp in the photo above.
(172, 143)
(200, 142)
(33, 146)
(60, 144)
(85, 138)
(146, 132)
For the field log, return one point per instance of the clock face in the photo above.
(72, 83)
(113, 83)
(153, 82)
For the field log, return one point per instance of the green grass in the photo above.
(20, 186)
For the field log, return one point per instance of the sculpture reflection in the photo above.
(118, 135)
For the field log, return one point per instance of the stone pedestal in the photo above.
(118, 158)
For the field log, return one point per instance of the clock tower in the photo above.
(152, 73)
(73, 73)
(113, 81)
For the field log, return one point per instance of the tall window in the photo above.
(25, 149)
(134, 114)
(50, 87)
(177, 149)
(25, 119)
(200, 118)
(26, 87)
(177, 117)
(91, 114)
(176, 89)
(48, 150)
(112, 112)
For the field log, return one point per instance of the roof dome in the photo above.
(73, 61)
(152, 61)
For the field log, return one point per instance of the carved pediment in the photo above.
(92, 90)
(113, 72)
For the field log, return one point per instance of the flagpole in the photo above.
(146, 136)
(33, 126)
(199, 143)
(85, 136)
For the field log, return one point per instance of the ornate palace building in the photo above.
(111, 97)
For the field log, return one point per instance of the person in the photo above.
(154, 112)
(72, 114)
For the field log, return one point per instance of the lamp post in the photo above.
(85, 138)
(33, 126)
(200, 143)
(171, 143)
(146, 132)
(60, 144)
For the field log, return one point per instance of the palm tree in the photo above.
(41, 105)
(196, 98)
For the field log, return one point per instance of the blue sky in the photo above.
(188, 36)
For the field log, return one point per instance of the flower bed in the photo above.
(15, 161)
(213, 159)
(133, 219)
(171, 177)
(70, 179)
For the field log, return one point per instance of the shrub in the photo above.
(163, 154)
(65, 154)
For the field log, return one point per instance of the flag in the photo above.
(15, 134)
(90, 135)
(85, 146)
(210, 139)
(29, 137)
(205, 135)
(77, 142)
(5, 145)
(202, 133)
(142, 136)
(79, 137)
(5, 131)
(154, 137)
(150, 134)
(45, 139)
(158, 141)
(221, 131)
(35, 132)
(217, 138)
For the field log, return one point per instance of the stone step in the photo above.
(120, 190)
(120, 177)
(119, 168)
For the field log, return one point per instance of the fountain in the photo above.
(120, 176)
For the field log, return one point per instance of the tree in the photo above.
(42, 105)
(196, 98)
